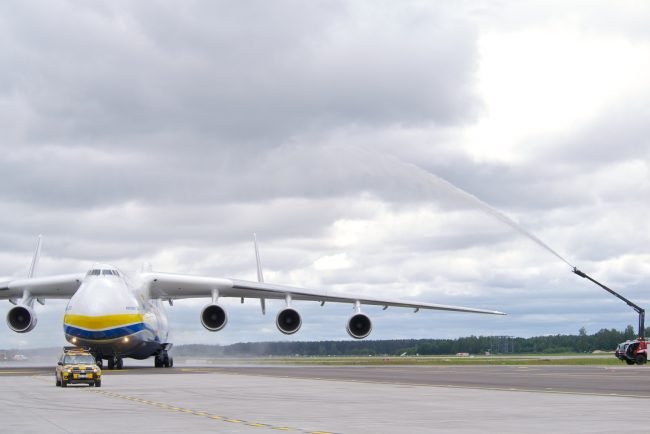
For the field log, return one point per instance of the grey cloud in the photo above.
(85, 177)
(252, 74)
(620, 134)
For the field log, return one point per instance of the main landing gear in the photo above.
(163, 360)
(115, 363)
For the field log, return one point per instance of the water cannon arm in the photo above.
(637, 308)
(642, 324)
(580, 273)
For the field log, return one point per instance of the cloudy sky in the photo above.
(169, 132)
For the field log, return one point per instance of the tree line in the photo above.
(605, 340)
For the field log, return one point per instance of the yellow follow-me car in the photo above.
(77, 366)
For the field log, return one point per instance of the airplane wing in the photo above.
(169, 286)
(61, 286)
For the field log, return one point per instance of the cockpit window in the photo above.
(103, 273)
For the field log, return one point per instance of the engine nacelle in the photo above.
(214, 317)
(288, 321)
(359, 326)
(21, 319)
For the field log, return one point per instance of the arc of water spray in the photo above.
(475, 201)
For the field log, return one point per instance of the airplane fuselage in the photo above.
(114, 318)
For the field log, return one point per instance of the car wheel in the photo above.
(98, 383)
(641, 359)
(64, 383)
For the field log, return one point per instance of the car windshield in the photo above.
(84, 359)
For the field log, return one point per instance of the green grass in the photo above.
(527, 360)
(447, 361)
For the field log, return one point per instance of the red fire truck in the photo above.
(634, 351)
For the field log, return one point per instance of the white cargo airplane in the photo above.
(118, 316)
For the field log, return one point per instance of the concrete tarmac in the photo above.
(246, 400)
(588, 380)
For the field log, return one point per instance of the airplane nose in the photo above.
(98, 296)
(102, 309)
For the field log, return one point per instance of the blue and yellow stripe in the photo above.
(104, 327)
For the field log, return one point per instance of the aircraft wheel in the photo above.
(157, 362)
(110, 363)
(58, 383)
(119, 363)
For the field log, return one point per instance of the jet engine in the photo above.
(21, 319)
(213, 317)
(359, 326)
(288, 321)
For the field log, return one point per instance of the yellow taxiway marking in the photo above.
(205, 414)
(164, 406)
